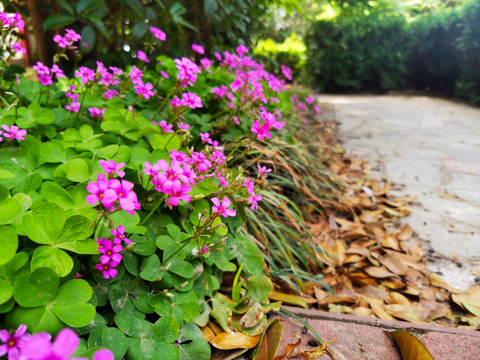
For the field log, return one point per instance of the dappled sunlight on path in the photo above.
(432, 147)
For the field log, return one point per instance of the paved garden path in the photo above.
(431, 146)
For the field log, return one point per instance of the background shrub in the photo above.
(361, 52)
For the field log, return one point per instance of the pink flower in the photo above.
(198, 48)
(205, 137)
(85, 74)
(57, 71)
(236, 121)
(183, 126)
(179, 156)
(241, 50)
(74, 106)
(254, 201)
(62, 41)
(222, 181)
(206, 62)
(261, 131)
(150, 170)
(204, 250)
(263, 170)
(119, 234)
(167, 128)
(111, 168)
(249, 184)
(191, 100)
(142, 56)
(96, 112)
(287, 72)
(13, 132)
(110, 252)
(13, 343)
(222, 209)
(189, 174)
(97, 191)
(110, 94)
(159, 34)
(164, 74)
(39, 347)
(17, 47)
(109, 271)
(136, 75)
(310, 99)
(179, 192)
(171, 178)
(200, 161)
(144, 90)
(126, 197)
(41, 69)
(187, 71)
(72, 35)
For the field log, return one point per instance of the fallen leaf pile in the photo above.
(372, 266)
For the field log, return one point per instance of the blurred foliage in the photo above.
(110, 28)
(291, 52)
(362, 52)
(422, 45)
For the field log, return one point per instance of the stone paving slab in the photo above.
(432, 146)
(359, 338)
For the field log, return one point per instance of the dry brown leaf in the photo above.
(397, 298)
(373, 292)
(377, 307)
(390, 242)
(356, 233)
(469, 300)
(235, 340)
(393, 283)
(405, 234)
(361, 279)
(403, 312)
(410, 347)
(339, 251)
(289, 348)
(316, 352)
(370, 216)
(210, 331)
(270, 342)
(378, 272)
(394, 264)
(437, 281)
(412, 289)
(363, 311)
(433, 310)
(354, 258)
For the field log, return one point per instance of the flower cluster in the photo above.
(112, 192)
(10, 24)
(110, 251)
(45, 74)
(23, 346)
(67, 39)
(188, 99)
(187, 71)
(174, 180)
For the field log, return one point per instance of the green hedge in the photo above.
(356, 53)
(439, 51)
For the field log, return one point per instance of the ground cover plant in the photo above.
(123, 199)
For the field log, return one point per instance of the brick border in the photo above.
(387, 324)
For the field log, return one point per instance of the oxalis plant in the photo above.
(123, 195)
